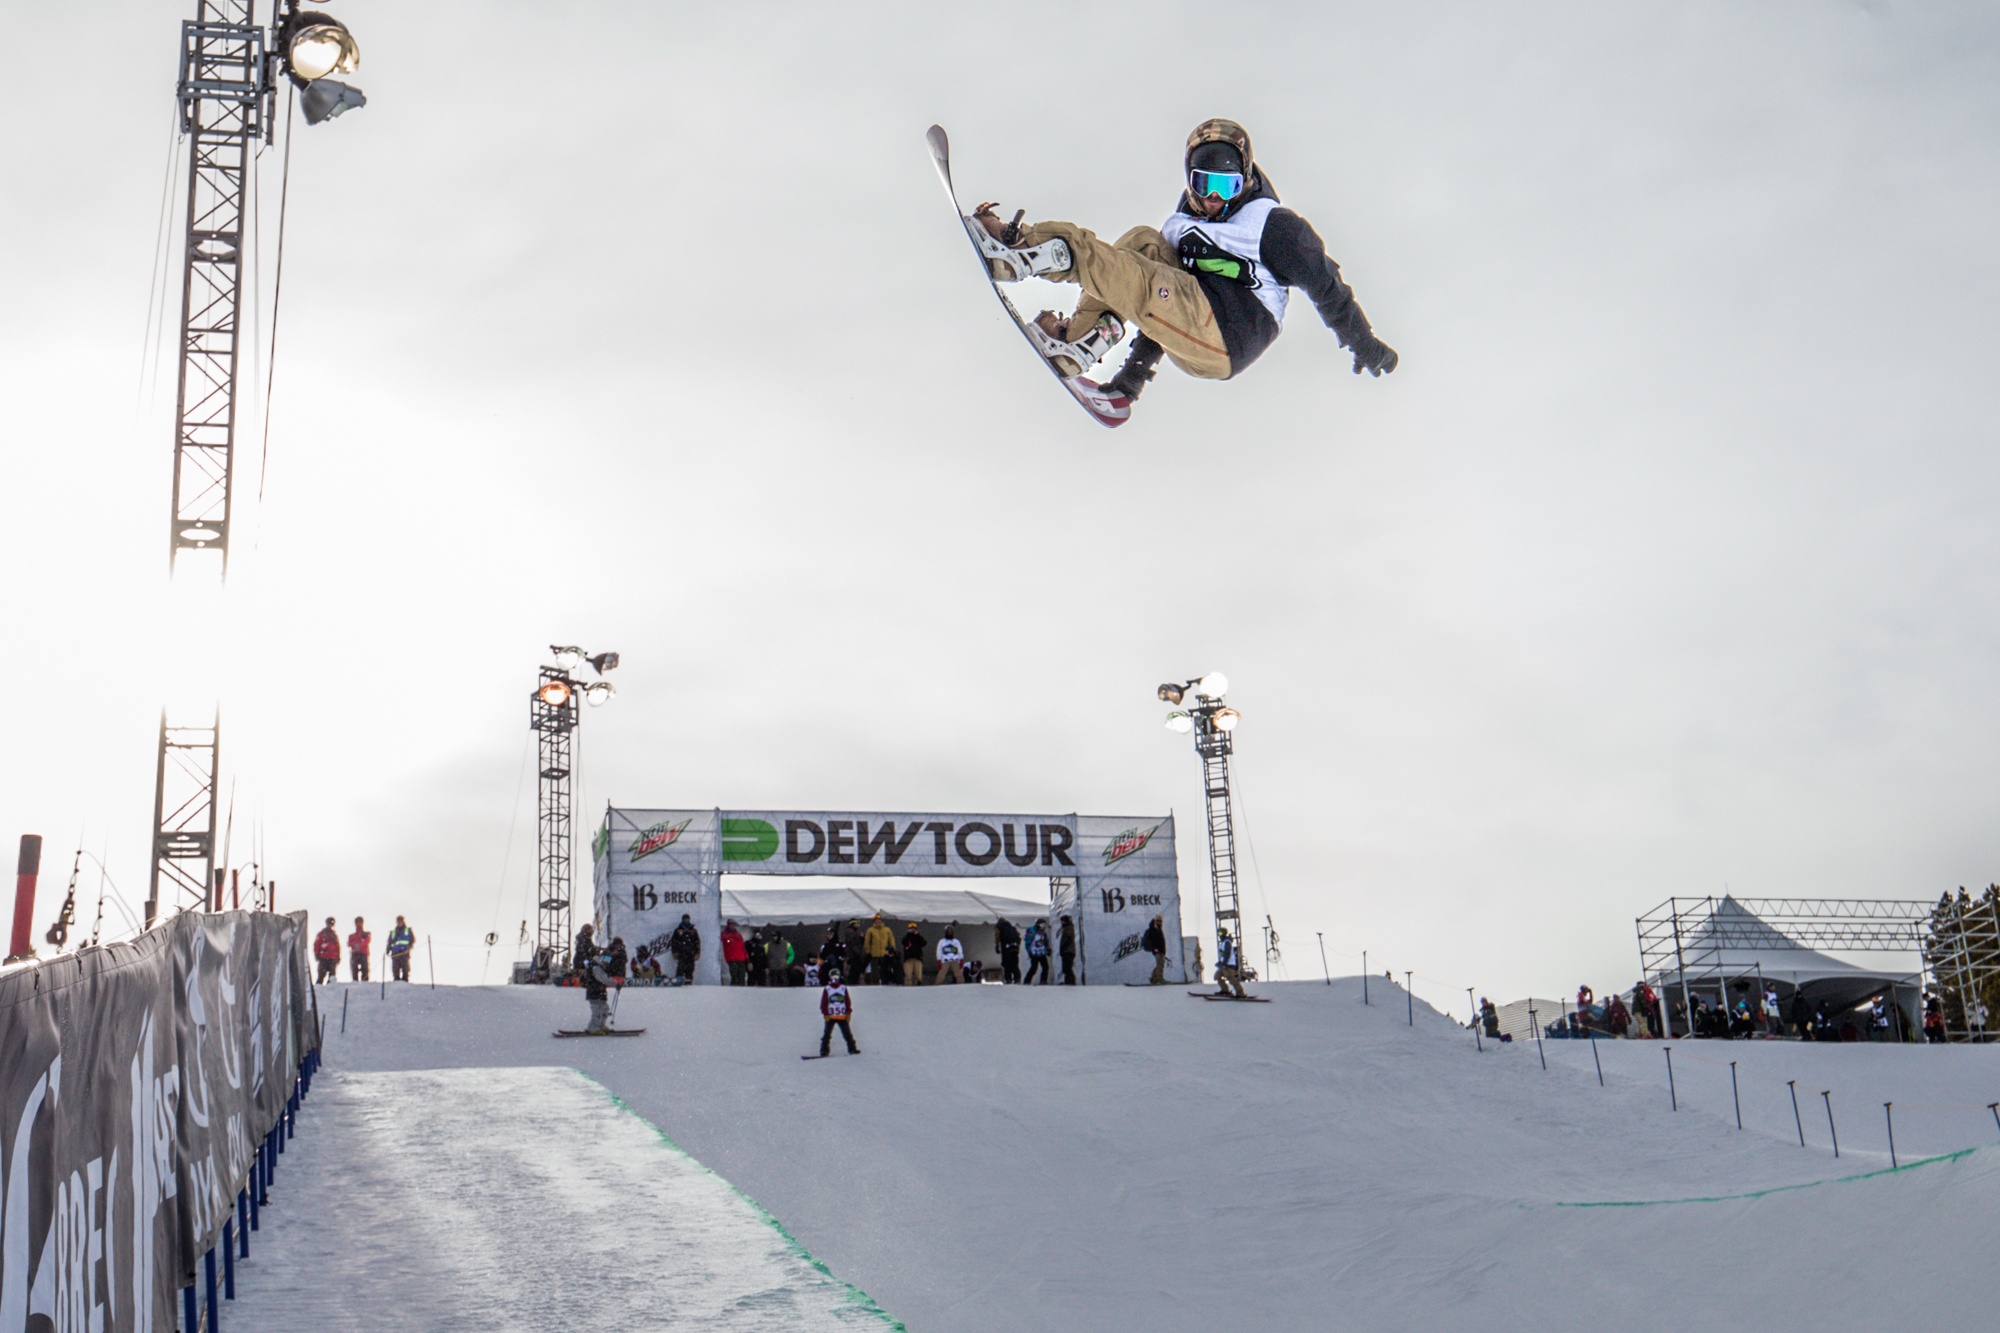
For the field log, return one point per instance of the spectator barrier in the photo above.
(148, 1091)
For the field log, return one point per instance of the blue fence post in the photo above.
(1733, 1097)
(1596, 1057)
(208, 1282)
(1793, 1084)
(190, 1317)
(1889, 1114)
(243, 1221)
(1673, 1097)
(1828, 1096)
(255, 1172)
(228, 1262)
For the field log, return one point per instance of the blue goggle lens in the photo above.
(1224, 185)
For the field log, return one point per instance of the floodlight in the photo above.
(1226, 719)
(1212, 686)
(603, 662)
(554, 693)
(1178, 721)
(568, 656)
(324, 99)
(320, 45)
(597, 692)
(1170, 694)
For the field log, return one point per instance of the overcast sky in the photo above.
(1665, 563)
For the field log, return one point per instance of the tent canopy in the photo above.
(792, 907)
(1735, 942)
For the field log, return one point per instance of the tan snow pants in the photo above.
(1140, 279)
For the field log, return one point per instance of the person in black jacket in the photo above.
(1154, 942)
(914, 945)
(685, 945)
(1066, 950)
(1008, 937)
(1208, 289)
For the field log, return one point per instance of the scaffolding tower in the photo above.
(184, 817)
(1214, 745)
(1962, 949)
(552, 712)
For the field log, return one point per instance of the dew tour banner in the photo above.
(651, 867)
(137, 1082)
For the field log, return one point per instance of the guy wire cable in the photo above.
(277, 294)
(156, 277)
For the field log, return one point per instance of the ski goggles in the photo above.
(1224, 185)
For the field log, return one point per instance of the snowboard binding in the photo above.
(1049, 332)
(1006, 259)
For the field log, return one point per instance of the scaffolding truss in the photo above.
(553, 715)
(1962, 950)
(184, 817)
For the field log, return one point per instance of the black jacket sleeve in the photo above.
(1297, 257)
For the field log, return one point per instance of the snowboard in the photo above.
(615, 1032)
(828, 1056)
(1106, 407)
(1233, 999)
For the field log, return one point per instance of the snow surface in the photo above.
(1122, 1158)
(515, 1198)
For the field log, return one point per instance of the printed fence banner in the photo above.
(138, 1080)
(1126, 875)
(650, 866)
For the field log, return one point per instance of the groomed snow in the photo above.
(515, 1198)
(1132, 1158)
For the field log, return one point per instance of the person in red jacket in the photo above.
(326, 953)
(836, 1006)
(734, 953)
(357, 952)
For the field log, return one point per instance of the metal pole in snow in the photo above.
(1994, 1107)
(432, 951)
(1364, 976)
(1793, 1084)
(1828, 1096)
(1733, 1096)
(1596, 1057)
(1477, 1040)
(1410, 996)
(343, 1009)
(1536, 1023)
(1890, 1115)
(1322, 959)
(1673, 1097)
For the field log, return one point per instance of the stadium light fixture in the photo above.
(554, 693)
(603, 662)
(568, 656)
(324, 99)
(1226, 719)
(1212, 686)
(1179, 722)
(598, 692)
(317, 45)
(1171, 693)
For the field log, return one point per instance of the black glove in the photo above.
(1373, 355)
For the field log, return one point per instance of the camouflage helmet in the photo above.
(1222, 131)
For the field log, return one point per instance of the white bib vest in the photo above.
(1242, 235)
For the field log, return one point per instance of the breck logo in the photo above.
(1128, 842)
(652, 839)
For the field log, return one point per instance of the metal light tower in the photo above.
(553, 714)
(1212, 722)
(230, 68)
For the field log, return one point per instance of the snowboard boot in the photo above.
(1051, 335)
(1007, 260)
(1137, 371)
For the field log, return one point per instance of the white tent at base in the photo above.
(1735, 945)
(797, 907)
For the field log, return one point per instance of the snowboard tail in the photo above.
(1107, 407)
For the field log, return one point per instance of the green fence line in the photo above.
(1775, 1189)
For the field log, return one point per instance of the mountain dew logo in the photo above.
(1128, 842)
(652, 839)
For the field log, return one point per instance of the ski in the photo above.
(1106, 407)
(1233, 999)
(827, 1056)
(615, 1032)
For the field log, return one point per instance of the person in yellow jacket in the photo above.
(878, 944)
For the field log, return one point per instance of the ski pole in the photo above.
(1673, 1097)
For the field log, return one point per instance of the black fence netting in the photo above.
(137, 1083)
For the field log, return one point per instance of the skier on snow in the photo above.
(836, 1006)
(1208, 288)
(401, 941)
(597, 980)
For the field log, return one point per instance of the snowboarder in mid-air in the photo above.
(1207, 289)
